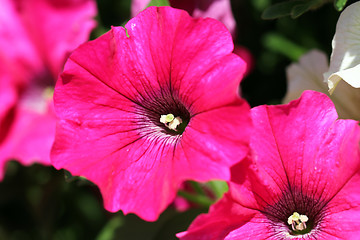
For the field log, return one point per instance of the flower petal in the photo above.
(308, 75)
(342, 216)
(345, 58)
(30, 137)
(217, 9)
(18, 53)
(8, 97)
(224, 217)
(56, 29)
(213, 137)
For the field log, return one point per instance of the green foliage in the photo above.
(280, 44)
(280, 9)
(218, 188)
(300, 9)
(293, 8)
(170, 222)
(108, 232)
(159, 3)
(36, 203)
(339, 4)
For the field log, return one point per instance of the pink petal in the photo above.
(8, 97)
(30, 137)
(55, 29)
(17, 52)
(137, 6)
(213, 137)
(217, 9)
(225, 218)
(342, 218)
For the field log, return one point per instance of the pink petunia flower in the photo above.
(36, 38)
(217, 9)
(144, 108)
(303, 182)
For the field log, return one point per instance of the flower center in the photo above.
(171, 121)
(164, 113)
(296, 215)
(298, 222)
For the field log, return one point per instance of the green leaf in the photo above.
(280, 9)
(280, 44)
(260, 5)
(197, 187)
(159, 3)
(299, 10)
(108, 232)
(339, 4)
(195, 198)
(218, 188)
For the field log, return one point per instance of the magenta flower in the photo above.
(217, 9)
(147, 107)
(36, 38)
(303, 182)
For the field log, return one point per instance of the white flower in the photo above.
(345, 57)
(308, 75)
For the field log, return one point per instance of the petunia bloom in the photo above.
(307, 74)
(36, 38)
(301, 181)
(144, 108)
(345, 57)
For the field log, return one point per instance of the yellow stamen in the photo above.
(297, 221)
(166, 118)
(175, 123)
(171, 121)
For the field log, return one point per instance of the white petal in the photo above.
(306, 75)
(346, 99)
(345, 58)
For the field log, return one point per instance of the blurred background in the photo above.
(39, 202)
